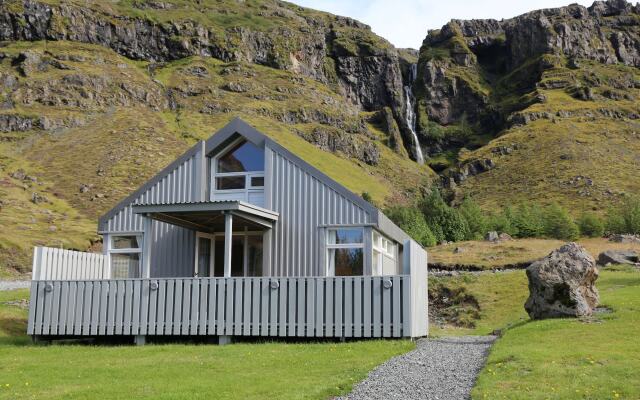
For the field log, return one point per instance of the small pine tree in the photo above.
(475, 218)
(446, 222)
(591, 225)
(558, 224)
(412, 221)
(528, 220)
(625, 218)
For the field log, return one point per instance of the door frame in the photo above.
(212, 240)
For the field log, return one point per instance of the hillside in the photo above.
(541, 107)
(98, 96)
(86, 119)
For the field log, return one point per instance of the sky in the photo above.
(405, 22)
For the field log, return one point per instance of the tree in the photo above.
(412, 221)
(625, 218)
(447, 223)
(558, 223)
(528, 221)
(475, 217)
(591, 225)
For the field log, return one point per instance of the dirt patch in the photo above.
(453, 306)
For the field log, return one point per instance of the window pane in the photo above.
(254, 261)
(125, 266)
(377, 268)
(237, 256)
(230, 182)
(243, 157)
(125, 242)
(389, 266)
(257, 181)
(344, 236)
(347, 262)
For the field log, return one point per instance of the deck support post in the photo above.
(224, 340)
(228, 237)
(140, 340)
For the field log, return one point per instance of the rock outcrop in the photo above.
(562, 284)
(618, 257)
(327, 48)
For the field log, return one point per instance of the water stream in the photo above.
(410, 115)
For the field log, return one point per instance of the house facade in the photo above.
(240, 212)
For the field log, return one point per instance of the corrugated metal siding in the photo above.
(178, 186)
(304, 204)
(172, 251)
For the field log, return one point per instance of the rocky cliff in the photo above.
(540, 107)
(498, 99)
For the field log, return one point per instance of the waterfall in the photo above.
(410, 115)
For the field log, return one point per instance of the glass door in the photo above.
(204, 255)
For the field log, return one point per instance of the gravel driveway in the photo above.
(10, 285)
(438, 369)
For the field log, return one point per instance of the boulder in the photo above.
(618, 257)
(491, 236)
(562, 284)
(624, 238)
(504, 237)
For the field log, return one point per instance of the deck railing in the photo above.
(58, 264)
(300, 306)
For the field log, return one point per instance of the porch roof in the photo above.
(208, 216)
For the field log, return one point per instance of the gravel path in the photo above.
(10, 285)
(438, 369)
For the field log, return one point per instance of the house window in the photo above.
(345, 252)
(384, 260)
(125, 252)
(238, 173)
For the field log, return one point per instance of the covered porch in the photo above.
(232, 238)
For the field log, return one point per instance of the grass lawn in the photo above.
(501, 298)
(595, 358)
(179, 371)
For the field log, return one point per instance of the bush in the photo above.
(446, 223)
(625, 218)
(558, 224)
(475, 217)
(590, 225)
(527, 221)
(412, 221)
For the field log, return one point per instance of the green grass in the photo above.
(594, 358)
(180, 371)
(500, 296)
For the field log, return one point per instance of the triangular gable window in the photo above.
(238, 173)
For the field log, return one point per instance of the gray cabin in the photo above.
(237, 237)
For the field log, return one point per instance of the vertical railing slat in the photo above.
(347, 300)
(161, 309)
(177, 309)
(111, 314)
(237, 316)
(293, 298)
(255, 307)
(246, 307)
(211, 309)
(357, 306)
(396, 306)
(310, 303)
(329, 303)
(220, 320)
(204, 300)
(195, 309)
(228, 315)
(377, 306)
(319, 307)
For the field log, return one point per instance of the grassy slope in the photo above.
(93, 152)
(491, 255)
(595, 358)
(553, 151)
(179, 371)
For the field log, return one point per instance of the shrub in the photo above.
(591, 225)
(475, 217)
(527, 221)
(445, 222)
(412, 221)
(558, 224)
(625, 218)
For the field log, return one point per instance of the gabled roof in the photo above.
(238, 127)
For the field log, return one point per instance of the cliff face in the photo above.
(500, 103)
(333, 50)
(469, 69)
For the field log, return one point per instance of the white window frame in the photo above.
(212, 250)
(381, 246)
(248, 189)
(213, 237)
(329, 267)
(112, 250)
